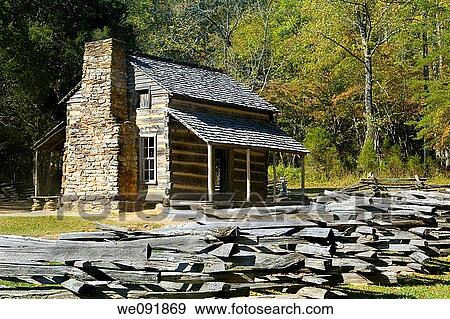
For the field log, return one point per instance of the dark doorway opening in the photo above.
(222, 168)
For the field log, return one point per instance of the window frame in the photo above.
(143, 158)
(149, 100)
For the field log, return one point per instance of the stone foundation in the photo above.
(45, 203)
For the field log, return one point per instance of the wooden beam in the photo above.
(248, 175)
(302, 182)
(35, 179)
(210, 172)
(274, 167)
(58, 129)
(254, 153)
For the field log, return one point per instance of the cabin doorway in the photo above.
(222, 168)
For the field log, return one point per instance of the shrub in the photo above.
(415, 166)
(392, 165)
(324, 157)
(367, 159)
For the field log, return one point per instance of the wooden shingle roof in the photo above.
(233, 130)
(53, 139)
(201, 83)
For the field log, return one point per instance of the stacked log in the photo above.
(8, 192)
(301, 251)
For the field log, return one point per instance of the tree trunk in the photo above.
(426, 68)
(440, 61)
(225, 55)
(368, 102)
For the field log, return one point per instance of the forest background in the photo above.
(364, 84)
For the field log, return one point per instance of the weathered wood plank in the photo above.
(56, 272)
(90, 236)
(36, 293)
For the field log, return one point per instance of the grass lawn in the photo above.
(411, 287)
(44, 226)
(52, 226)
(21, 284)
(419, 286)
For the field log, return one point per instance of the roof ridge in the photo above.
(150, 76)
(173, 61)
(70, 93)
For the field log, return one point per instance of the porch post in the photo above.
(248, 176)
(35, 173)
(210, 173)
(302, 182)
(274, 167)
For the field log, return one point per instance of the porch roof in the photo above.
(224, 129)
(53, 139)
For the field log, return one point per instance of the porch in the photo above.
(47, 168)
(231, 140)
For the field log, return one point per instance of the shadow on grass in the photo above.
(423, 281)
(409, 286)
(354, 293)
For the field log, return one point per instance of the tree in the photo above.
(370, 24)
(170, 29)
(434, 126)
(223, 18)
(41, 45)
(308, 57)
(324, 155)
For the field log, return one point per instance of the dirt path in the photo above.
(16, 208)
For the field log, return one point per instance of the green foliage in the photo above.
(324, 157)
(277, 47)
(415, 166)
(392, 163)
(314, 178)
(101, 34)
(435, 123)
(41, 45)
(367, 160)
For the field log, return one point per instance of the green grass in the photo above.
(411, 287)
(21, 284)
(340, 182)
(44, 226)
(316, 180)
(52, 226)
(439, 179)
(417, 286)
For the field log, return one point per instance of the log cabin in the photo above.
(140, 129)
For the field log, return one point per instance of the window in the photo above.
(144, 98)
(148, 159)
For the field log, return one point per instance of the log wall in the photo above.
(153, 120)
(178, 103)
(258, 174)
(189, 161)
(189, 166)
(182, 156)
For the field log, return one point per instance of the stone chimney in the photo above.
(100, 159)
